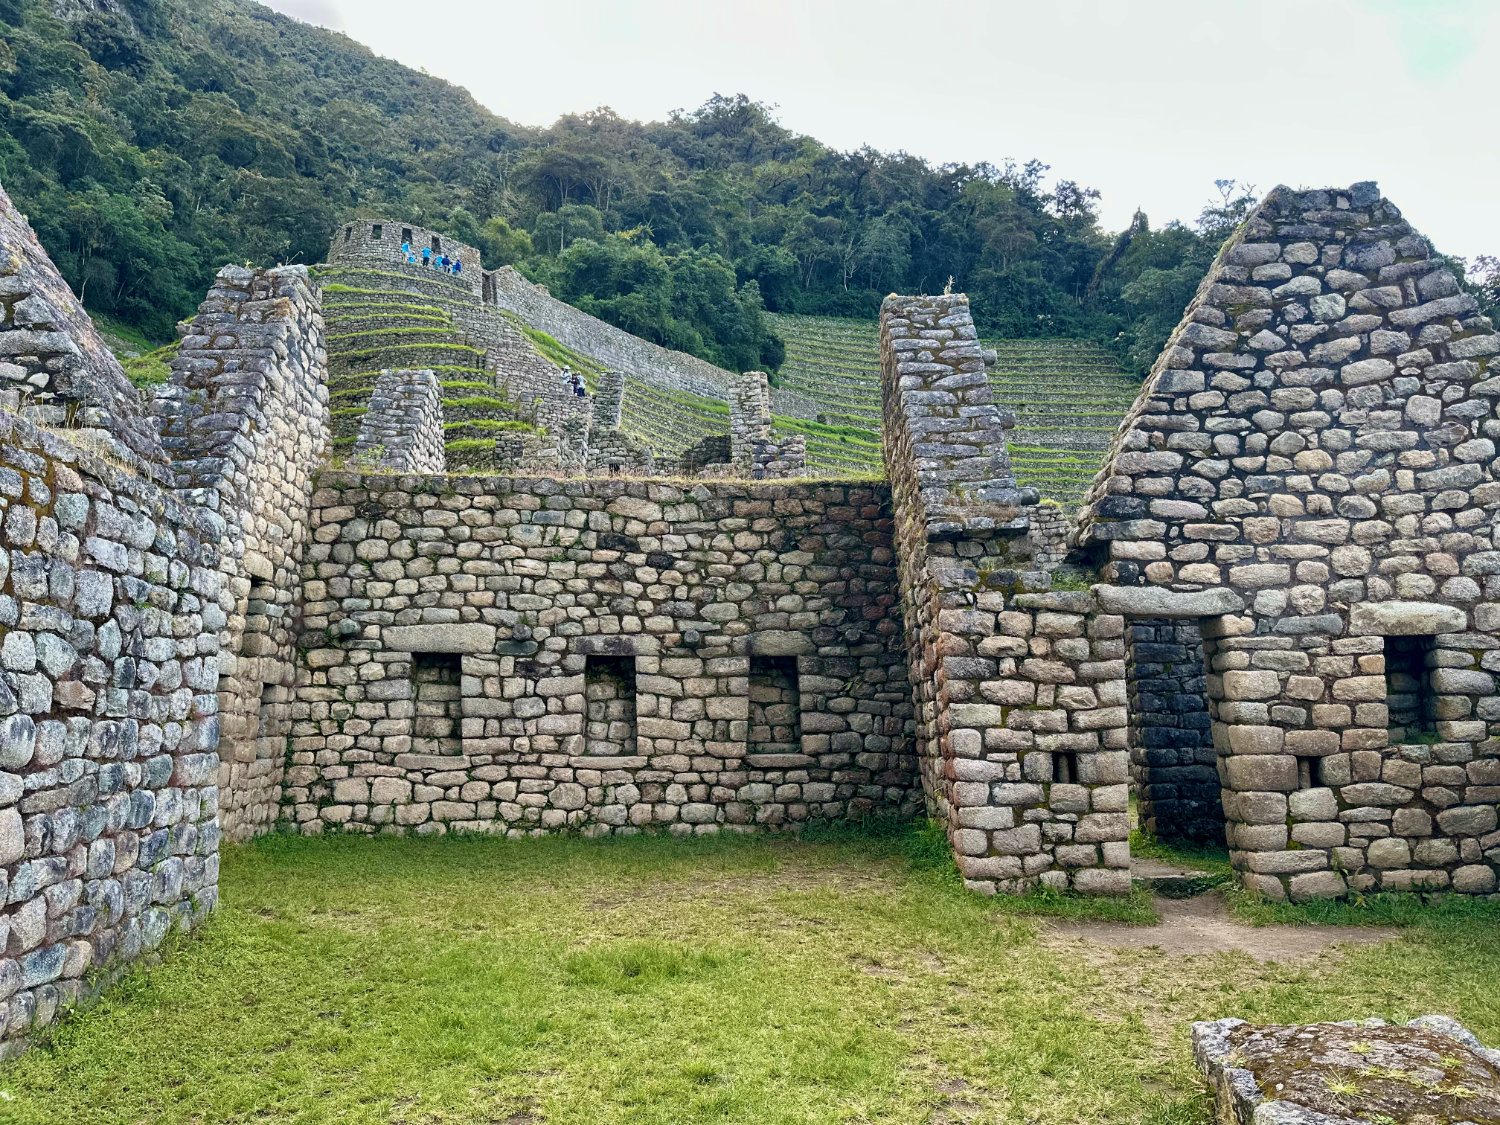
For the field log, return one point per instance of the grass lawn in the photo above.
(657, 981)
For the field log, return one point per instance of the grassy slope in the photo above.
(663, 981)
(1068, 395)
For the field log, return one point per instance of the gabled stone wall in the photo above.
(1310, 472)
(51, 356)
(245, 420)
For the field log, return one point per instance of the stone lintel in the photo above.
(1405, 619)
(1156, 601)
(473, 637)
(617, 644)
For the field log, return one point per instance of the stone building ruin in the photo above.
(284, 595)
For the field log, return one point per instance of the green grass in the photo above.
(659, 981)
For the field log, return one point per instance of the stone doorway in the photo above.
(1174, 774)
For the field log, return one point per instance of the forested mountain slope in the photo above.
(152, 140)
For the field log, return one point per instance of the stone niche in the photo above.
(1308, 483)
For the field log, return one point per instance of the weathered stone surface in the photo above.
(455, 637)
(1154, 601)
(1405, 619)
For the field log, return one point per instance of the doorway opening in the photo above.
(1174, 772)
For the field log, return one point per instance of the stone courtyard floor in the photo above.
(657, 981)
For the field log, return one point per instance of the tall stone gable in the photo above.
(1310, 470)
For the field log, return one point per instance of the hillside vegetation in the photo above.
(153, 143)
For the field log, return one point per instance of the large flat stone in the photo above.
(1156, 601)
(1405, 619)
(472, 637)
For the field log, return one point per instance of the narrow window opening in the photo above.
(406, 234)
(437, 245)
(274, 723)
(376, 231)
(1410, 702)
(437, 678)
(348, 234)
(775, 706)
(609, 702)
(1064, 766)
(1309, 772)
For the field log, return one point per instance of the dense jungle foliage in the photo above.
(153, 141)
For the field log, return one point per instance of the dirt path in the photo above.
(1203, 925)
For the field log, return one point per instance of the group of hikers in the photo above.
(454, 266)
(575, 381)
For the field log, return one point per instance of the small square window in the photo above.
(1064, 766)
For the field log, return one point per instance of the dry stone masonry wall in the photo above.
(403, 428)
(380, 242)
(54, 361)
(509, 655)
(1019, 690)
(1310, 472)
(108, 791)
(751, 451)
(245, 420)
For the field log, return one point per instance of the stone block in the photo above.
(450, 638)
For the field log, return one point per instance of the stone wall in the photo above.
(245, 420)
(1019, 691)
(606, 343)
(495, 639)
(108, 802)
(752, 451)
(1310, 471)
(402, 429)
(51, 355)
(375, 241)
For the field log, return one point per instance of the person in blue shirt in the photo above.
(426, 256)
(458, 267)
(406, 249)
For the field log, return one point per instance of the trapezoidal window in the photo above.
(437, 682)
(775, 706)
(609, 706)
(348, 233)
(377, 231)
(437, 245)
(1410, 703)
(406, 234)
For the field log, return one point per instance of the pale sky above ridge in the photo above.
(1149, 101)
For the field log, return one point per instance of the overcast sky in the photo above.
(1149, 101)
